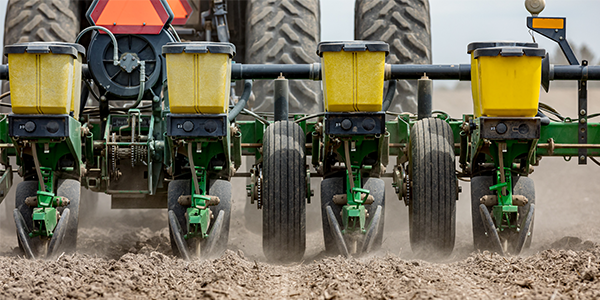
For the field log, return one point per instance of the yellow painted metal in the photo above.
(353, 81)
(508, 86)
(198, 82)
(44, 83)
(76, 90)
(475, 87)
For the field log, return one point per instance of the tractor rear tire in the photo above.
(284, 197)
(70, 189)
(40, 21)
(432, 209)
(405, 26)
(284, 32)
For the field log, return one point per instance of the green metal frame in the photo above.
(49, 153)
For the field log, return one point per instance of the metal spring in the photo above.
(113, 155)
(138, 155)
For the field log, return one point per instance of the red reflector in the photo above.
(131, 16)
(182, 11)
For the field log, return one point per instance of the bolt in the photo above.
(561, 38)
(555, 30)
(582, 158)
(144, 24)
(582, 112)
(115, 23)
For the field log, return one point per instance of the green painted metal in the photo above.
(566, 133)
(50, 152)
(503, 212)
(44, 221)
(198, 215)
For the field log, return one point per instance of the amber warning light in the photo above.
(131, 16)
(548, 23)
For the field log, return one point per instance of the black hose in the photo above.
(242, 102)
(389, 96)
(85, 92)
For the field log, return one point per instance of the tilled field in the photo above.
(127, 255)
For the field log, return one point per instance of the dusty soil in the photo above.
(125, 254)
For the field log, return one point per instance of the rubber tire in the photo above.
(405, 26)
(40, 21)
(27, 189)
(526, 187)
(177, 188)
(220, 188)
(432, 209)
(284, 204)
(335, 186)
(329, 188)
(70, 189)
(284, 32)
(480, 186)
(495, 244)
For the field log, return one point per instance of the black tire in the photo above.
(27, 189)
(495, 244)
(284, 32)
(525, 186)
(329, 188)
(219, 188)
(177, 188)
(284, 204)
(70, 189)
(405, 25)
(432, 207)
(40, 21)
(480, 186)
(57, 242)
(335, 186)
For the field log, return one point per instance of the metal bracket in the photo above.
(582, 115)
(557, 34)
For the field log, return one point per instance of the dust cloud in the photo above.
(126, 253)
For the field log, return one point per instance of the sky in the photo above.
(456, 23)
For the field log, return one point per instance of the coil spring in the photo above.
(139, 154)
(113, 156)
